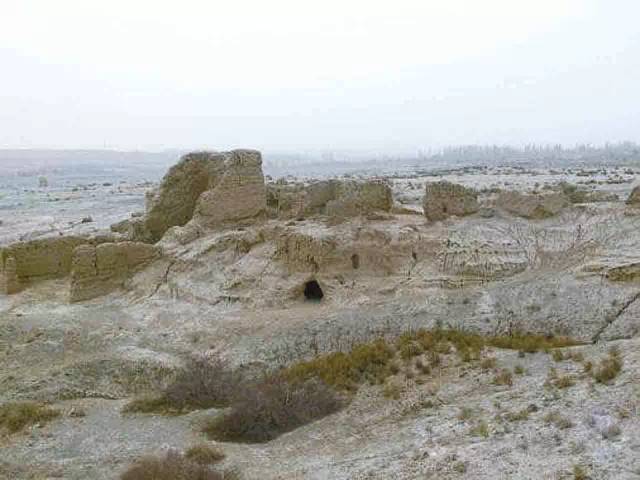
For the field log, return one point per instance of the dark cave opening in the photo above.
(313, 291)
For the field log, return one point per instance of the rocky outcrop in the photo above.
(444, 199)
(98, 270)
(533, 206)
(26, 262)
(335, 198)
(206, 188)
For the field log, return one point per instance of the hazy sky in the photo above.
(329, 74)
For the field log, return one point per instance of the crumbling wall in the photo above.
(237, 194)
(174, 202)
(205, 188)
(335, 198)
(364, 250)
(23, 263)
(302, 252)
(532, 205)
(444, 199)
(98, 270)
(357, 198)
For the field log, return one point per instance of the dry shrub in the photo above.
(531, 343)
(608, 368)
(367, 362)
(172, 466)
(519, 416)
(15, 416)
(579, 473)
(554, 417)
(480, 429)
(202, 383)
(465, 413)
(204, 454)
(263, 410)
(488, 363)
(503, 377)
(564, 381)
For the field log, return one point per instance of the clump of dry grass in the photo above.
(519, 416)
(465, 414)
(15, 416)
(344, 371)
(558, 420)
(503, 377)
(488, 363)
(579, 473)
(480, 429)
(609, 367)
(204, 454)
(372, 361)
(392, 390)
(172, 466)
(564, 381)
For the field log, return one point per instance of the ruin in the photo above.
(205, 190)
(98, 270)
(24, 263)
(334, 198)
(533, 206)
(444, 199)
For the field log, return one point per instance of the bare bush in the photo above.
(202, 383)
(263, 410)
(172, 466)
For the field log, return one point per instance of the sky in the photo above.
(330, 75)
